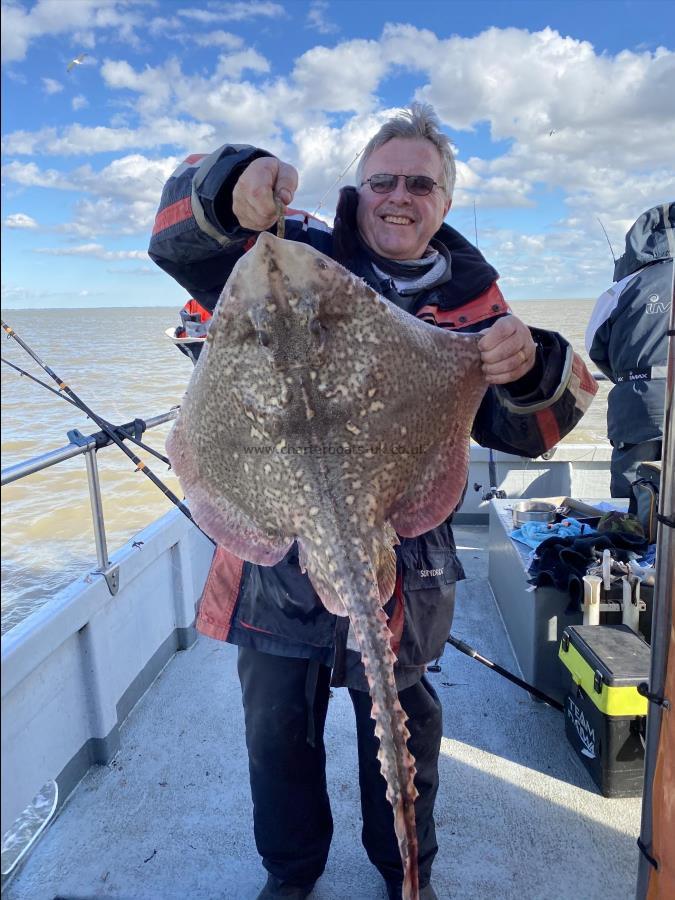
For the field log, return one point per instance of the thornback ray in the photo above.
(319, 412)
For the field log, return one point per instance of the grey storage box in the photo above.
(534, 619)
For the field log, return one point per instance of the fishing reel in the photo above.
(493, 493)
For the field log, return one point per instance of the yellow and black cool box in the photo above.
(605, 716)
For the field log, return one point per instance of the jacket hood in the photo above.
(650, 238)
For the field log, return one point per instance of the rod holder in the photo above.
(109, 572)
(630, 601)
(606, 570)
(592, 585)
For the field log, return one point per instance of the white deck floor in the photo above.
(517, 816)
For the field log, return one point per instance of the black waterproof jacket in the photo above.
(626, 336)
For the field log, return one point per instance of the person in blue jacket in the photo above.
(389, 230)
(626, 339)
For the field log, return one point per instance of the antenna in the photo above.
(475, 222)
(608, 241)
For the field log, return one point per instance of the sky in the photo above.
(561, 114)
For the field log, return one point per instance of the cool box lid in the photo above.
(608, 662)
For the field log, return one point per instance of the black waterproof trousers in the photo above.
(624, 464)
(285, 704)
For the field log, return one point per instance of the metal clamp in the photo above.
(643, 691)
(112, 578)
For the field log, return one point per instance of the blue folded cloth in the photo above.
(649, 558)
(533, 533)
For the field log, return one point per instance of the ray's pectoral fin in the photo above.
(436, 492)
(217, 514)
(230, 527)
(440, 479)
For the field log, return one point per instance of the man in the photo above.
(388, 230)
(626, 339)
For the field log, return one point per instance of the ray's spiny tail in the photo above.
(369, 622)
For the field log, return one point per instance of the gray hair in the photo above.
(419, 121)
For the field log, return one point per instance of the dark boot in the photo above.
(275, 889)
(394, 891)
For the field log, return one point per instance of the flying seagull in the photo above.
(76, 62)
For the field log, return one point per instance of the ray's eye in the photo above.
(318, 331)
(316, 327)
(256, 329)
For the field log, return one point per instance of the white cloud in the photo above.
(97, 251)
(77, 18)
(234, 12)
(341, 79)
(317, 20)
(322, 154)
(548, 265)
(525, 85)
(26, 142)
(20, 220)
(30, 175)
(122, 197)
(51, 86)
(79, 102)
(233, 64)
(80, 139)
(153, 85)
(218, 39)
(164, 25)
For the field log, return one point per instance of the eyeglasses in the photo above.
(419, 185)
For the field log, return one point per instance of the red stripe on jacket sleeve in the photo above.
(586, 380)
(548, 428)
(171, 215)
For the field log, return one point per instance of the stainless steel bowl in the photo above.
(532, 511)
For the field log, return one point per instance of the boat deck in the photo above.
(170, 817)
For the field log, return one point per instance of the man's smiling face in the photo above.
(400, 225)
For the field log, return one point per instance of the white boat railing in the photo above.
(88, 446)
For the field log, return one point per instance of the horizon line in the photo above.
(162, 306)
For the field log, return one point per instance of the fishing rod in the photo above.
(474, 654)
(121, 429)
(103, 425)
(611, 249)
(341, 175)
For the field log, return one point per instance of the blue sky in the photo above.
(561, 113)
